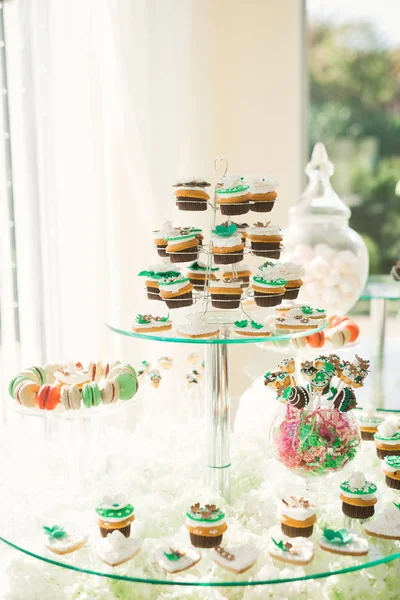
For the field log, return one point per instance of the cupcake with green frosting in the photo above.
(114, 513)
(387, 438)
(268, 292)
(206, 525)
(358, 496)
(152, 276)
(233, 196)
(391, 468)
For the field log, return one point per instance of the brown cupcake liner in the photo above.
(261, 207)
(267, 253)
(179, 301)
(187, 255)
(367, 436)
(297, 531)
(267, 299)
(291, 294)
(264, 245)
(161, 251)
(382, 453)
(225, 302)
(197, 283)
(228, 259)
(392, 483)
(153, 295)
(357, 512)
(126, 531)
(191, 204)
(234, 209)
(201, 541)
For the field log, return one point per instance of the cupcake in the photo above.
(265, 239)
(198, 328)
(283, 309)
(206, 525)
(297, 516)
(160, 235)
(262, 193)
(226, 245)
(182, 247)
(391, 468)
(150, 324)
(387, 438)
(267, 292)
(292, 273)
(176, 291)
(241, 228)
(358, 496)
(153, 274)
(242, 272)
(225, 294)
(197, 273)
(233, 196)
(369, 420)
(251, 328)
(191, 194)
(115, 514)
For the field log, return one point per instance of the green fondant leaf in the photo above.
(397, 505)
(224, 231)
(307, 310)
(320, 310)
(142, 319)
(164, 319)
(340, 537)
(280, 545)
(55, 532)
(240, 324)
(146, 273)
(333, 392)
(329, 368)
(172, 555)
(256, 325)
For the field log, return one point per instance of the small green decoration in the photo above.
(146, 273)
(173, 555)
(333, 392)
(225, 231)
(268, 374)
(320, 310)
(274, 282)
(196, 267)
(307, 310)
(287, 392)
(56, 532)
(280, 545)
(397, 505)
(328, 368)
(256, 325)
(240, 324)
(143, 319)
(341, 537)
(319, 377)
(164, 319)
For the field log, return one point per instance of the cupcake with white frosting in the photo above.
(225, 294)
(114, 513)
(369, 421)
(152, 276)
(297, 516)
(226, 245)
(242, 272)
(206, 525)
(233, 195)
(265, 239)
(198, 272)
(182, 247)
(358, 496)
(191, 194)
(262, 193)
(391, 468)
(160, 235)
(176, 291)
(267, 292)
(292, 273)
(387, 438)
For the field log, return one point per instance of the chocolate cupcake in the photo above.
(387, 438)
(358, 497)
(191, 194)
(115, 514)
(183, 247)
(297, 516)
(226, 245)
(265, 239)
(262, 193)
(267, 292)
(176, 291)
(391, 468)
(206, 525)
(225, 294)
(233, 196)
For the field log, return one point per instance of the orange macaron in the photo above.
(316, 340)
(49, 397)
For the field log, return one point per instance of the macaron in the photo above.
(27, 393)
(337, 321)
(15, 382)
(91, 394)
(127, 385)
(49, 396)
(96, 371)
(316, 340)
(71, 397)
(109, 366)
(354, 330)
(121, 368)
(37, 374)
(49, 370)
(109, 391)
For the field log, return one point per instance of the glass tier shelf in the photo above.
(381, 287)
(253, 520)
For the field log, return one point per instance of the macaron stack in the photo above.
(72, 387)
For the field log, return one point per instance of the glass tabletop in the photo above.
(381, 287)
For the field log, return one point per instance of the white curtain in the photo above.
(106, 90)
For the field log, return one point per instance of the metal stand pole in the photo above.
(378, 317)
(218, 419)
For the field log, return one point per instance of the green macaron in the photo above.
(14, 383)
(91, 394)
(39, 373)
(127, 385)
